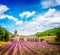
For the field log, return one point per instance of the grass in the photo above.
(2, 43)
(54, 43)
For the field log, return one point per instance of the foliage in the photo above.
(55, 43)
(41, 39)
(58, 37)
(6, 37)
(51, 32)
(4, 34)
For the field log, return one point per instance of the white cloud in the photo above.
(19, 22)
(3, 8)
(2, 16)
(50, 3)
(39, 23)
(50, 16)
(48, 20)
(55, 20)
(58, 2)
(50, 13)
(12, 18)
(27, 14)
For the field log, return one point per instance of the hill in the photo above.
(50, 32)
(4, 34)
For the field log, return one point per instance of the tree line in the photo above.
(50, 32)
(4, 34)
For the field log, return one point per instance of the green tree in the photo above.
(2, 34)
(6, 37)
(58, 36)
(41, 39)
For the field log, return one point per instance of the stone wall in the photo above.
(33, 38)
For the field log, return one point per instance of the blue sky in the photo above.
(29, 16)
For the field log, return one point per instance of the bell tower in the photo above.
(15, 32)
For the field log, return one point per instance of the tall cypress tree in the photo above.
(2, 34)
(6, 37)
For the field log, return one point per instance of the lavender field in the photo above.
(29, 48)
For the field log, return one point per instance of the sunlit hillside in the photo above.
(51, 32)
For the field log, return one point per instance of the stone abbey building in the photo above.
(16, 37)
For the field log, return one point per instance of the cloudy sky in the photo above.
(29, 16)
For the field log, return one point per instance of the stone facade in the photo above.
(16, 37)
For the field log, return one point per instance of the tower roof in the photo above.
(15, 32)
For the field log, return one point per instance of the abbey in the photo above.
(16, 37)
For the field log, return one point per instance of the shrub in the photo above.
(55, 43)
(58, 36)
(4, 34)
(6, 37)
(41, 40)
